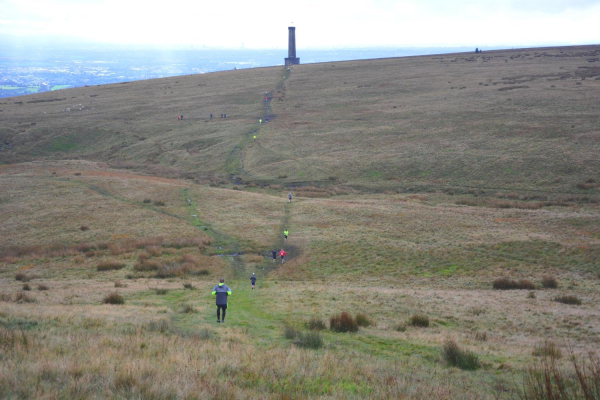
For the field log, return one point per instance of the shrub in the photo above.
(110, 266)
(549, 282)
(481, 336)
(309, 340)
(147, 201)
(316, 324)
(26, 286)
(84, 228)
(421, 321)
(159, 203)
(363, 320)
(457, 357)
(113, 298)
(343, 323)
(290, 332)
(5, 297)
(531, 295)
(22, 297)
(119, 284)
(200, 272)
(400, 328)
(189, 286)
(22, 277)
(568, 299)
(509, 284)
(161, 291)
(547, 349)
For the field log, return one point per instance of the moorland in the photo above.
(448, 204)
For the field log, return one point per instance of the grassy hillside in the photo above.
(524, 120)
(121, 197)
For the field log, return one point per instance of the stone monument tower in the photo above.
(291, 58)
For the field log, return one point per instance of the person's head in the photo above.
(222, 280)
(253, 273)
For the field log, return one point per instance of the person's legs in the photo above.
(224, 309)
(218, 313)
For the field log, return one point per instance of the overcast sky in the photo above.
(319, 23)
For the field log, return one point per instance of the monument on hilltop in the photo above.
(291, 58)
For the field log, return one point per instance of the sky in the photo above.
(320, 24)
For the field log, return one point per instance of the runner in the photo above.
(274, 255)
(222, 291)
(285, 234)
(282, 254)
(290, 197)
(253, 279)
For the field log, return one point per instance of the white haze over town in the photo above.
(320, 24)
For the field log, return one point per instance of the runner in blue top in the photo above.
(221, 291)
(253, 279)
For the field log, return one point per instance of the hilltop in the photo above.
(420, 186)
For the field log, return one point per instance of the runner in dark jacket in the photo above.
(253, 280)
(221, 291)
(274, 255)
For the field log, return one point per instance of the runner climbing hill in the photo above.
(282, 254)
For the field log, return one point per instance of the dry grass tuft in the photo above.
(343, 323)
(568, 299)
(510, 284)
(549, 282)
(26, 287)
(457, 357)
(113, 298)
(547, 379)
(22, 277)
(188, 286)
(419, 320)
(316, 324)
(547, 349)
(363, 321)
(309, 340)
(119, 284)
(22, 297)
(110, 266)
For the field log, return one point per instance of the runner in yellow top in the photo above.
(285, 234)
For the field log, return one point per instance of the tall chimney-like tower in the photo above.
(291, 58)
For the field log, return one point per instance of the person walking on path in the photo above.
(285, 234)
(253, 280)
(222, 291)
(274, 255)
(282, 254)
(290, 197)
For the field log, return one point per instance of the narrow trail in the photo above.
(234, 164)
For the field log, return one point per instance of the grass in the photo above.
(343, 323)
(568, 299)
(419, 321)
(110, 266)
(374, 222)
(457, 357)
(113, 298)
(508, 284)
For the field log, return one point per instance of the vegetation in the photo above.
(457, 357)
(343, 323)
(113, 298)
(405, 205)
(419, 321)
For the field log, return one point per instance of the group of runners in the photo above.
(222, 291)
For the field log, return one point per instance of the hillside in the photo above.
(519, 120)
(417, 193)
